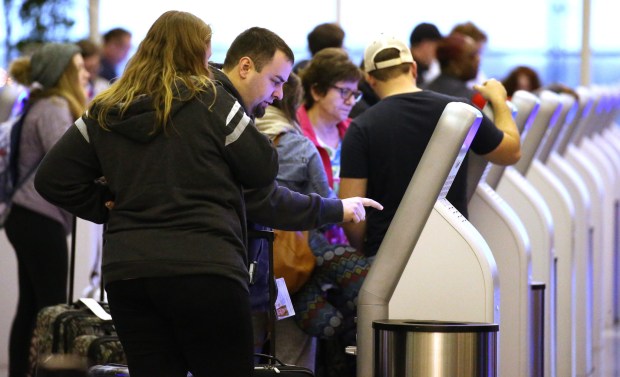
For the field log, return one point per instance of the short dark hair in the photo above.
(324, 36)
(115, 33)
(260, 45)
(424, 32)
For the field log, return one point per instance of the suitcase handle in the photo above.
(270, 359)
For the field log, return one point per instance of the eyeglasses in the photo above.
(347, 93)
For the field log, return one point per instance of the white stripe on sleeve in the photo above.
(82, 128)
(232, 112)
(238, 130)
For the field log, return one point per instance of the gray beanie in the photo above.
(49, 62)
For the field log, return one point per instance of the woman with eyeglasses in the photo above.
(330, 92)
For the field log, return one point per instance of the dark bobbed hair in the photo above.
(511, 81)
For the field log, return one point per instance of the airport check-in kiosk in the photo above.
(531, 208)
(603, 137)
(507, 238)
(601, 153)
(558, 201)
(611, 134)
(432, 264)
(599, 175)
(575, 182)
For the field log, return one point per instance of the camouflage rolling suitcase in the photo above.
(98, 350)
(75, 328)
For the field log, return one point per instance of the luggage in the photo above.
(272, 366)
(277, 368)
(112, 370)
(99, 349)
(109, 370)
(82, 328)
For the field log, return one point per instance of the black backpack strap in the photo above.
(16, 135)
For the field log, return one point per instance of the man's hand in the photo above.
(354, 211)
(493, 91)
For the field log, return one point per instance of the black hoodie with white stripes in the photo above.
(179, 207)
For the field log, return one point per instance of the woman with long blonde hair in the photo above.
(176, 152)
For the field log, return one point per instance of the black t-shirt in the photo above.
(385, 145)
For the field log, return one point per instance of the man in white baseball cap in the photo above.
(401, 53)
(383, 146)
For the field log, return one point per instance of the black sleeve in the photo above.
(354, 155)
(278, 207)
(487, 138)
(68, 178)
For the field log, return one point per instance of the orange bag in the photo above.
(293, 259)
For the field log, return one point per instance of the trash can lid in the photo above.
(537, 285)
(412, 325)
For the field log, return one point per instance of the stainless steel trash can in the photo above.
(537, 348)
(409, 348)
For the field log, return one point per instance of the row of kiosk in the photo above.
(528, 284)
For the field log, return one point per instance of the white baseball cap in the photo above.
(381, 44)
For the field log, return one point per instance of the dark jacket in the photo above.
(179, 203)
(278, 207)
(451, 86)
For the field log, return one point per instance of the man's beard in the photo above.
(259, 111)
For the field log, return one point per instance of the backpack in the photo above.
(10, 136)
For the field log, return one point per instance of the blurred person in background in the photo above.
(324, 35)
(423, 44)
(91, 53)
(480, 40)
(116, 45)
(37, 230)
